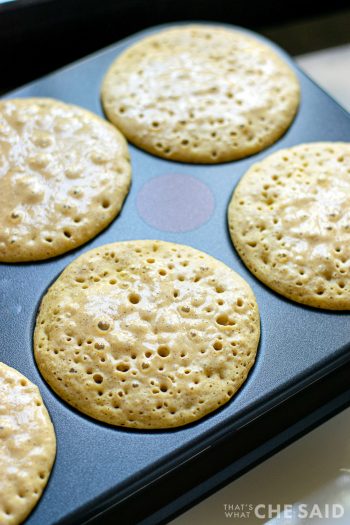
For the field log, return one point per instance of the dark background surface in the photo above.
(39, 36)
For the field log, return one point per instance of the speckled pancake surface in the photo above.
(147, 334)
(200, 93)
(64, 174)
(27, 446)
(289, 220)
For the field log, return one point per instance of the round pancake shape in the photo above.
(289, 220)
(147, 334)
(64, 174)
(27, 446)
(201, 94)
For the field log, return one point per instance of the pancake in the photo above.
(27, 446)
(289, 220)
(147, 334)
(200, 93)
(64, 174)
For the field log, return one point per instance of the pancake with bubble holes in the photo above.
(200, 93)
(64, 174)
(289, 220)
(27, 446)
(147, 334)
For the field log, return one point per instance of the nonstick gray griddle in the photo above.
(97, 465)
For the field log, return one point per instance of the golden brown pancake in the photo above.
(27, 446)
(289, 220)
(64, 174)
(147, 334)
(200, 93)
